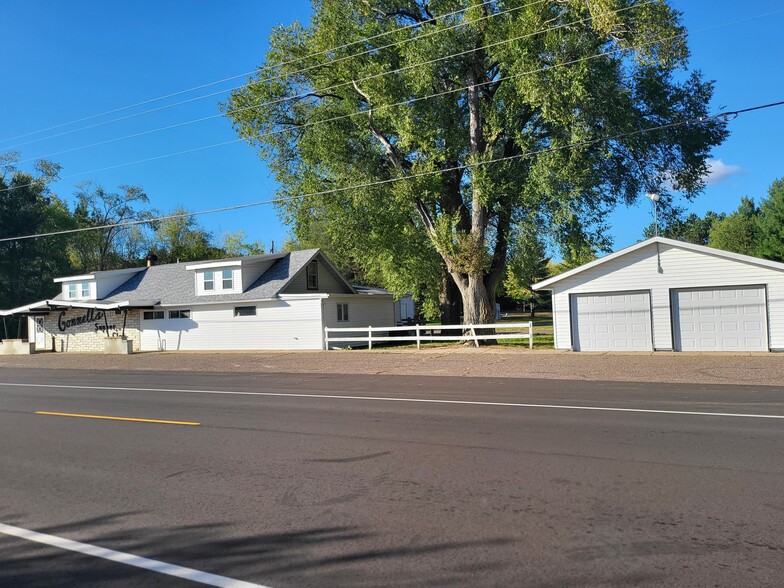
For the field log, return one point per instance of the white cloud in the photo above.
(718, 171)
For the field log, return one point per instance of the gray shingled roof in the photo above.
(173, 284)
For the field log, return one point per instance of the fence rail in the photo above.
(424, 333)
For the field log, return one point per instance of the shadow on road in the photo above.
(319, 556)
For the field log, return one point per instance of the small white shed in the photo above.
(665, 295)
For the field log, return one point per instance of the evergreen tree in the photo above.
(770, 243)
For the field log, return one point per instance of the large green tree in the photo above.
(113, 247)
(692, 229)
(27, 206)
(738, 231)
(183, 239)
(511, 78)
(770, 243)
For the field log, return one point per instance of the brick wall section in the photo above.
(89, 336)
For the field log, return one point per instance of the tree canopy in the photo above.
(438, 91)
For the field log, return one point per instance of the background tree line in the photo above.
(750, 229)
(29, 206)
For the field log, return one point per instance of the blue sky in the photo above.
(67, 60)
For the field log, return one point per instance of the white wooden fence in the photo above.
(424, 333)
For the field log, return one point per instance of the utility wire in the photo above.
(316, 54)
(404, 103)
(278, 66)
(723, 116)
(333, 87)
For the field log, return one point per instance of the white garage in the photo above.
(667, 295)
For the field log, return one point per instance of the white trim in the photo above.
(214, 264)
(664, 241)
(47, 304)
(213, 302)
(119, 272)
(314, 296)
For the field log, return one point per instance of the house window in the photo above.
(153, 315)
(342, 312)
(244, 311)
(72, 290)
(209, 281)
(312, 274)
(228, 281)
(85, 289)
(179, 314)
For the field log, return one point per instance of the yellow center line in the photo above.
(116, 418)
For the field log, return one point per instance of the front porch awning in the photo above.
(45, 306)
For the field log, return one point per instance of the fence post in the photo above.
(370, 337)
(417, 335)
(530, 334)
(326, 338)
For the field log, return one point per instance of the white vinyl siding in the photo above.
(290, 324)
(673, 268)
(720, 319)
(620, 321)
(364, 311)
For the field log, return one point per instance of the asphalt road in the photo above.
(388, 482)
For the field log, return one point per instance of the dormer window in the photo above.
(312, 275)
(218, 277)
(78, 291)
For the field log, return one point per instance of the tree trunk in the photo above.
(451, 304)
(478, 303)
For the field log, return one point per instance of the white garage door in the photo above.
(612, 322)
(720, 319)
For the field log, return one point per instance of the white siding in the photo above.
(363, 311)
(108, 284)
(278, 324)
(252, 272)
(673, 268)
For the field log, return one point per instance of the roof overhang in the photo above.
(546, 284)
(104, 273)
(49, 305)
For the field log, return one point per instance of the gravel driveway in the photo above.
(764, 369)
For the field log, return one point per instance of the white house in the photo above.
(667, 295)
(280, 301)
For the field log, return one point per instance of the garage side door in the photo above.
(612, 322)
(720, 319)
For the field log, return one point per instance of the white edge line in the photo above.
(126, 558)
(390, 399)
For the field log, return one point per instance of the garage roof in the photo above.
(545, 284)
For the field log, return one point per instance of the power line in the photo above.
(725, 116)
(278, 66)
(321, 52)
(409, 101)
(333, 87)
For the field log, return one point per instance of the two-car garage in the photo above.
(667, 295)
